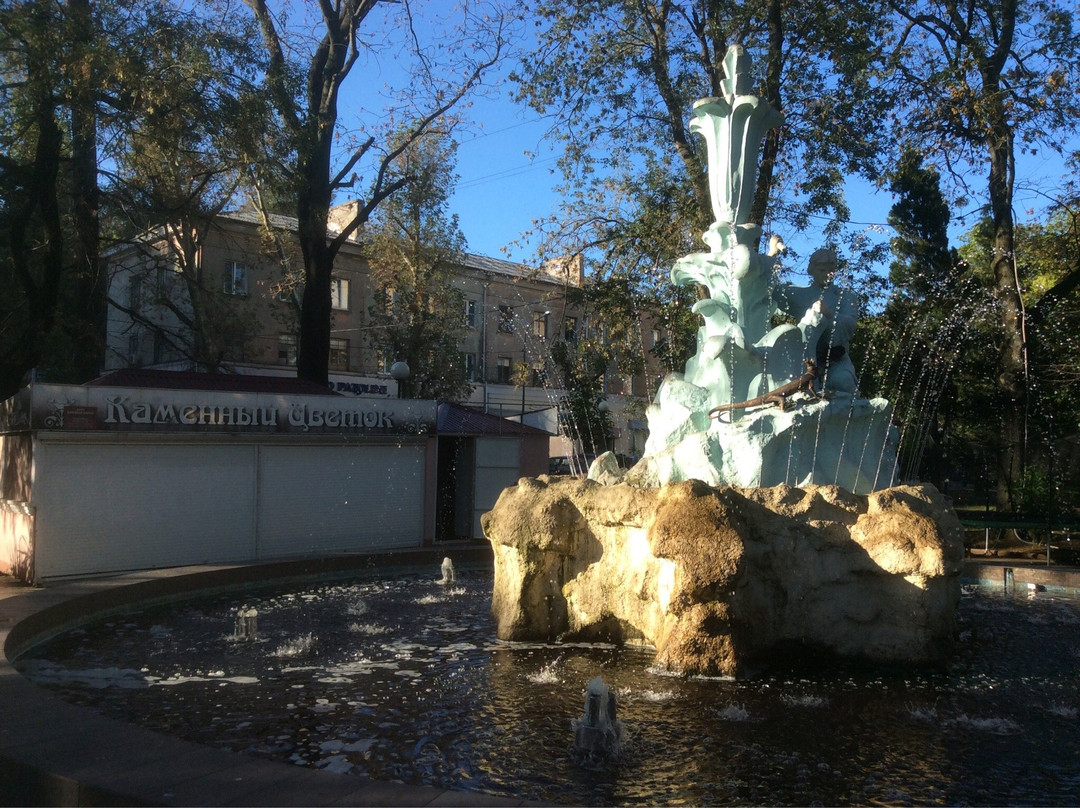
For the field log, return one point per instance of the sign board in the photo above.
(123, 409)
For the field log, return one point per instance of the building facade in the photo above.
(228, 299)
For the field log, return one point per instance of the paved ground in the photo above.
(54, 753)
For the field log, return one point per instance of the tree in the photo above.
(412, 246)
(922, 259)
(442, 72)
(1048, 258)
(80, 80)
(975, 82)
(912, 346)
(33, 250)
(177, 167)
(618, 79)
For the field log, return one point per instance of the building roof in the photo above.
(225, 382)
(551, 271)
(454, 419)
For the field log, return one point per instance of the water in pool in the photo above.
(404, 680)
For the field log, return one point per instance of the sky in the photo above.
(507, 177)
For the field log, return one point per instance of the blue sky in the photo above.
(501, 189)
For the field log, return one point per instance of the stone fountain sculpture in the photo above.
(761, 516)
(700, 424)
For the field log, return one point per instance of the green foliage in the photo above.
(108, 111)
(581, 367)
(412, 247)
(618, 79)
(1035, 495)
(973, 87)
(922, 259)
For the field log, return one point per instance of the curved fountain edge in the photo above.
(56, 753)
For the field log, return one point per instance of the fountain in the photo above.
(763, 513)
(449, 575)
(404, 680)
(692, 567)
(247, 624)
(598, 732)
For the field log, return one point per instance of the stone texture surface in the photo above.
(717, 578)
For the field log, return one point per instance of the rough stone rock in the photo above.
(718, 578)
(606, 470)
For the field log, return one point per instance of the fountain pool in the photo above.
(404, 680)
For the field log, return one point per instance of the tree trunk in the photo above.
(771, 147)
(1012, 359)
(85, 318)
(313, 353)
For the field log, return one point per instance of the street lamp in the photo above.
(399, 372)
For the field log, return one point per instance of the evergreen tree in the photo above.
(975, 83)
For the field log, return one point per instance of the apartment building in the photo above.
(228, 299)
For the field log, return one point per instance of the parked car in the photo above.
(569, 464)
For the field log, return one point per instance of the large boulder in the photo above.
(717, 578)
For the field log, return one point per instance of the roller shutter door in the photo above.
(105, 508)
(320, 499)
(498, 464)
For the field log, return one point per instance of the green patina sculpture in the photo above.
(743, 368)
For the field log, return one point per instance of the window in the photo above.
(539, 320)
(570, 330)
(384, 361)
(657, 337)
(470, 313)
(236, 279)
(133, 350)
(506, 319)
(339, 294)
(538, 376)
(502, 370)
(286, 349)
(339, 353)
(135, 293)
(470, 366)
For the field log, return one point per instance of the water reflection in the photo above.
(404, 680)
